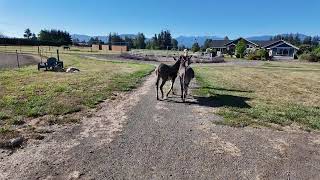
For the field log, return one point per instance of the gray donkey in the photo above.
(167, 72)
(186, 74)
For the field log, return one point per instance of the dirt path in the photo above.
(10, 60)
(137, 137)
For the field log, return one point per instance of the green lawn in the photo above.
(27, 93)
(271, 93)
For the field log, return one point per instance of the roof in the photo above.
(263, 44)
(277, 43)
(236, 41)
(219, 43)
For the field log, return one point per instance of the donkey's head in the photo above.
(185, 61)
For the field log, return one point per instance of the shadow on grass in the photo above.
(223, 101)
(222, 89)
(216, 101)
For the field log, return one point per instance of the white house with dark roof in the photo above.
(279, 49)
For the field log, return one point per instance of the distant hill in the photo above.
(86, 38)
(260, 38)
(267, 37)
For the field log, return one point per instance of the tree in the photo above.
(34, 37)
(195, 47)
(115, 39)
(129, 42)
(182, 47)
(56, 37)
(297, 40)
(174, 43)
(95, 40)
(207, 44)
(241, 47)
(307, 40)
(27, 33)
(315, 41)
(109, 39)
(140, 41)
(75, 41)
(226, 38)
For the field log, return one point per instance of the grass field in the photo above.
(271, 93)
(27, 93)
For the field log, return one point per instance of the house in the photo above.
(278, 49)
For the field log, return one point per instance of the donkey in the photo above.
(186, 74)
(167, 72)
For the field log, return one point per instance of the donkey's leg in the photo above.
(171, 89)
(161, 86)
(181, 86)
(173, 81)
(157, 86)
(184, 90)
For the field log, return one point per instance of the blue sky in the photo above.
(182, 17)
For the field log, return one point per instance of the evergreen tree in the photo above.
(129, 41)
(57, 37)
(315, 41)
(27, 33)
(195, 47)
(140, 41)
(241, 47)
(207, 44)
(307, 40)
(174, 43)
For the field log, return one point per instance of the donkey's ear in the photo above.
(174, 58)
(190, 57)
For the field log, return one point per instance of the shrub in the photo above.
(311, 57)
(252, 56)
(262, 53)
(304, 48)
(257, 54)
(317, 51)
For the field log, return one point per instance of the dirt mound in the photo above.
(10, 60)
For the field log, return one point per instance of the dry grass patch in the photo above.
(274, 92)
(27, 93)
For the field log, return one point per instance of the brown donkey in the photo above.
(167, 72)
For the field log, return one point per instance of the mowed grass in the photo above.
(270, 93)
(27, 93)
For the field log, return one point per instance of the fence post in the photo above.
(17, 58)
(40, 56)
(58, 54)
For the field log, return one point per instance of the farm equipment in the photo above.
(52, 64)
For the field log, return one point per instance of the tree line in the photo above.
(45, 37)
(295, 39)
(161, 41)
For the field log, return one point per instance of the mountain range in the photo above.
(182, 40)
